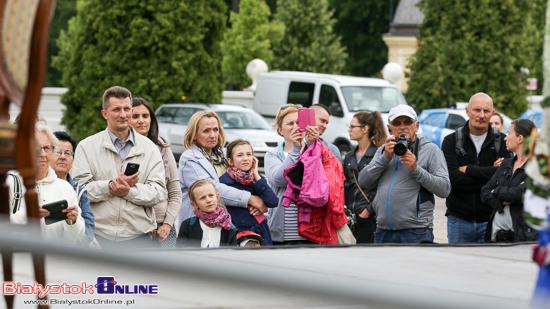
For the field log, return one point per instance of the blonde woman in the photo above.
(283, 221)
(205, 159)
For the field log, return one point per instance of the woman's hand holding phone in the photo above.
(72, 214)
(312, 134)
(296, 136)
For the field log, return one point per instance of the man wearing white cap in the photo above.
(409, 171)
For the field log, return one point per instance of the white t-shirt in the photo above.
(211, 236)
(478, 141)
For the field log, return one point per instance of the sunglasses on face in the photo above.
(290, 105)
(397, 123)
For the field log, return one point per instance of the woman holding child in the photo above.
(204, 159)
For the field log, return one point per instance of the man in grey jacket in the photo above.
(122, 205)
(404, 202)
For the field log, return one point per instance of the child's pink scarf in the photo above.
(220, 217)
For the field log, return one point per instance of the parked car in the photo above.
(535, 116)
(440, 122)
(343, 95)
(238, 122)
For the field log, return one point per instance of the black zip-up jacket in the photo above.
(354, 198)
(464, 201)
(508, 186)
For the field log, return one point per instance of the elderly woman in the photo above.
(504, 192)
(283, 221)
(204, 158)
(145, 122)
(50, 189)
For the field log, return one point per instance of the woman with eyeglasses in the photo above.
(144, 121)
(49, 189)
(283, 221)
(368, 130)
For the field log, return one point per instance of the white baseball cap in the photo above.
(402, 110)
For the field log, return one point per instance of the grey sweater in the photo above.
(400, 203)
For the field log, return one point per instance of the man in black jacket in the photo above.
(471, 164)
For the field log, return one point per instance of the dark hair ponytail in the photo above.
(523, 127)
(377, 131)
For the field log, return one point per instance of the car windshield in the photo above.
(243, 120)
(382, 99)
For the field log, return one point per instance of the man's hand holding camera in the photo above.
(389, 145)
(409, 159)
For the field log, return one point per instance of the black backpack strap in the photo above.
(496, 141)
(17, 193)
(459, 148)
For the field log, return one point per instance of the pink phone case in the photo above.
(306, 117)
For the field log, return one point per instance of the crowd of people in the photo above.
(122, 188)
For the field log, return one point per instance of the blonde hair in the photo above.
(193, 127)
(41, 127)
(197, 184)
(283, 112)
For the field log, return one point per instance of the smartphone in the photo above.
(306, 117)
(55, 209)
(131, 169)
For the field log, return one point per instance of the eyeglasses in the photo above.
(68, 154)
(290, 105)
(47, 148)
(351, 127)
(397, 123)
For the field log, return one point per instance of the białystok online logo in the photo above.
(104, 285)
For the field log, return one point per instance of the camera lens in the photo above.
(400, 148)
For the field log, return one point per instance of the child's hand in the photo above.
(255, 169)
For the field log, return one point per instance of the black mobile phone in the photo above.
(55, 209)
(131, 169)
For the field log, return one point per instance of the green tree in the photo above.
(361, 25)
(470, 46)
(537, 36)
(309, 43)
(251, 36)
(160, 50)
(64, 11)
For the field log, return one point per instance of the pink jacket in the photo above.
(307, 182)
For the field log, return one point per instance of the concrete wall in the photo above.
(50, 108)
(400, 49)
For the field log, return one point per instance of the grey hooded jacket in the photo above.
(404, 200)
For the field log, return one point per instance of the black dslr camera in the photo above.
(403, 143)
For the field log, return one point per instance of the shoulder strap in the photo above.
(17, 193)
(79, 192)
(357, 184)
(459, 148)
(416, 147)
(496, 141)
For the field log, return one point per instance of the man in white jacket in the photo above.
(122, 205)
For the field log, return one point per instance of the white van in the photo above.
(344, 95)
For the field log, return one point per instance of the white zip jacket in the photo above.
(51, 189)
(97, 162)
